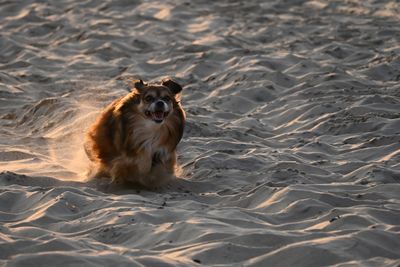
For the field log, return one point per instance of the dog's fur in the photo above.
(131, 142)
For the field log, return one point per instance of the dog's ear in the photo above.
(137, 85)
(172, 85)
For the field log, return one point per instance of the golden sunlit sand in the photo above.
(290, 155)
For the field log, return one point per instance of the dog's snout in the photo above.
(159, 104)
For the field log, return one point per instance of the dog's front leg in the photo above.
(144, 162)
(130, 169)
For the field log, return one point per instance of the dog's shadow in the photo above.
(178, 185)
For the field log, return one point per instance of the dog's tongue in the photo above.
(158, 115)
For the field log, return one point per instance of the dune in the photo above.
(290, 155)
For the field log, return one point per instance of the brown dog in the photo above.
(135, 137)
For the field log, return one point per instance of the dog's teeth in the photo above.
(158, 115)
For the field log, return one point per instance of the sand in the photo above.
(290, 157)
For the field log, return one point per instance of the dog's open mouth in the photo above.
(157, 116)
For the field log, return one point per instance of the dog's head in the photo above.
(157, 101)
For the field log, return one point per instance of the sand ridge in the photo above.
(290, 154)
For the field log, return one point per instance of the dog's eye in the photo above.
(149, 98)
(166, 98)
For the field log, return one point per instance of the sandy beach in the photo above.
(290, 155)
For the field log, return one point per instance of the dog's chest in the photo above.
(149, 137)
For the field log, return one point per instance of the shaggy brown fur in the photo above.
(128, 143)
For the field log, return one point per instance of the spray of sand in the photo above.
(67, 157)
(66, 145)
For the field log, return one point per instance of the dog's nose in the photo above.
(159, 104)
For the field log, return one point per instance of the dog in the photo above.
(134, 139)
